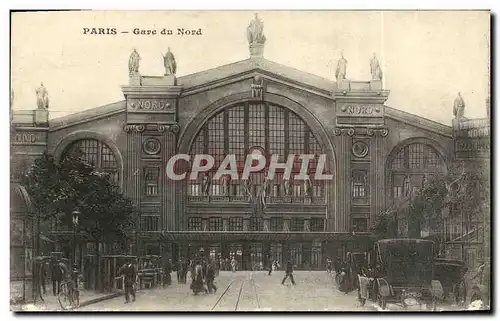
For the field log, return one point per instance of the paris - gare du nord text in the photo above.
(371, 154)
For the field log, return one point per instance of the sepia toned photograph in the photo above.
(250, 161)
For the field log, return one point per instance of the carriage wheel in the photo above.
(360, 299)
(381, 301)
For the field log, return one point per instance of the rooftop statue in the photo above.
(341, 70)
(375, 69)
(255, 31)
(458, 107)
(133, 62)
(42, 97)
(169, 63)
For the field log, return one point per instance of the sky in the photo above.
(427, 56)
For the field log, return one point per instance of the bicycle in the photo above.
(69, 295)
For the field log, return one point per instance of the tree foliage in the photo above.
(58, 189)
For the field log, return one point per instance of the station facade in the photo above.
(252, 106)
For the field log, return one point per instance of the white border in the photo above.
(190, 5)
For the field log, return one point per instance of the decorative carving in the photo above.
(257, 87)
(340, 72)
(132, 128)
(162, 128)
(459, 107)
(42, 97)
(169, 63)
(338, 132)
(25, 138)
(384, 132)
(152, 146)
(175, 128)
(370, 132)
(255, 31)
(375, 69)
(358, 109)
(360, 149)
(350, 131)
(133, 63)
(149, 104)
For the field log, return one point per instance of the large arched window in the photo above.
(95, 153)
(411, 166)
(258, 127)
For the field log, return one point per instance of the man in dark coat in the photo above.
(210, 276)
(168, 269)
(129, 273)
(57, 273)
(288, 273)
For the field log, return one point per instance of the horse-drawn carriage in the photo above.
(400, 271)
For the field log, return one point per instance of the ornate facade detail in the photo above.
(152, 146)
(175, 128)
(169, 63)
(257, 87)
(340, 72)
(368, 131)
(360, 149)
(375, 69)
(134, 128)
(459, 107)
(162, 128)
(42, 97)
(133, 63)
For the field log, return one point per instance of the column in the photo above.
(171, 189)
(344, 144)
(377, 176)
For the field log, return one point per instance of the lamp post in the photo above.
(76, 215)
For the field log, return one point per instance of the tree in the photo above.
(384, 226)
(58, 189)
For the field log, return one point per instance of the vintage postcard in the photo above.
(250, 161)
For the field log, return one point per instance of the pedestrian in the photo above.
(210, 277)
(233, 264)
(221, 264)
(184, 270)
(271, 264)
(168, 270)
(179, 270)
(57, 274)
(288, 273)
(129, 273)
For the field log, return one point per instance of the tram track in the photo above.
(222, 295)
(239, 296)
(256, 294)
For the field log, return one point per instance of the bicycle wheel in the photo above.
(64, 298)
(76, 298)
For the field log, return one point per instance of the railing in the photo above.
(269, 200)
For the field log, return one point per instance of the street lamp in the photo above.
(76, 214)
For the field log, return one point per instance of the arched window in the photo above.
(263, 128)
(96, 153)
(411, 166)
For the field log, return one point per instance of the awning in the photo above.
(46, 239)
(211, 236)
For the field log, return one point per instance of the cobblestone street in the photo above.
(245, 291)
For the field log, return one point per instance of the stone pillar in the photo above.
(245, 265)
(377, 175)
(344, 145)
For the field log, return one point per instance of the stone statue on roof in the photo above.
(169, 63)
(133, 62)
(42, 97)
(255, 31)
(375, 69)
(458, 107)
(341, 70)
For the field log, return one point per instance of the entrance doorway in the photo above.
(255, 255)
(236, 251)
(277, 253)
(296, 254)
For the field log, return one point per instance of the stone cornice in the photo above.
(418, 121)
(139, 128)
(368, 130)
(87, 116)
(151, 91)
